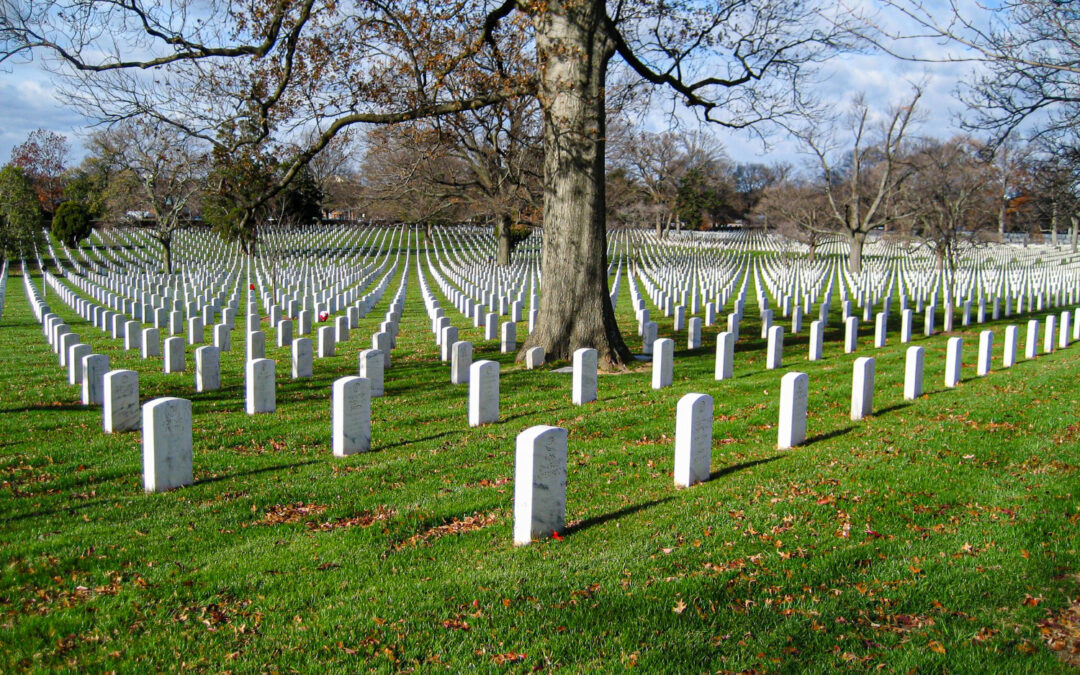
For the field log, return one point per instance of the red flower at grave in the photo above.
(251, 286)
(556, 536)
(324, 316)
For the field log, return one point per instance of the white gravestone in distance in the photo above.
(585, 376)
(255, 345)
(725, 356)
(1008, 357)
(207, 368)
(663, 365)
(794, 392)
(151, 342)
(302, 358)
(76, 353)
(326, 341)
(174, 355)
(120, 410)
(93, 385)
(260, 386)
(775, 355)
(693, 439)
(953, 361)
(534, 358)
(817, 340)
(913, 373)
(370, 367)
(167, 444)
(483, 393)
(539, 484)
(460, 361)
(986, 352)
(862, 387)
(351, 422)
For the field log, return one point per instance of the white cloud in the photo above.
(28, 101)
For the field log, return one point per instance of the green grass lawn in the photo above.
(935, 535)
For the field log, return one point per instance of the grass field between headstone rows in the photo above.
(938, 534)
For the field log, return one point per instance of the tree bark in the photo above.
(813, 250)
(1073, 223)
(939, 255)
(502, 233)
(575, 307)
(166, 245)
(659, 227)
(855, 240)
(1054, 226)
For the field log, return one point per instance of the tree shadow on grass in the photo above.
(61, 509)
(253, 472)
(416, 440)
(510, 418)
(827, 436)
(892, 408)
(606, 517)
(48, 407)
(720, 473)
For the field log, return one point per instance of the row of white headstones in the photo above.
(205, 296)
(540, 460)
(207, 376)
(351, 400)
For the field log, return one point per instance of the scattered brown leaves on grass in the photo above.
(507, 658)
(456, 624)
(217, 615)
(455, 526)
(1036, 465)
(291, 513)
(365, 519)
(1071, 434)
(485, 482)
(46, 599)
(1061, 632)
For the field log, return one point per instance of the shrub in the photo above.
(71, 224)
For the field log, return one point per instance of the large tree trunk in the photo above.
(1074, 222)
(166, 245)
(659, 227)
(502, 233)
(575, 308)
(939, 255)
(1054, 226)
(854, 261)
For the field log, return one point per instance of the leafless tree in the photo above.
(154, 168)
(657, 162)
(800, 210)
(405, 172)
(1027, 51)
(334, 169)
(861, 167)
(950, 197)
